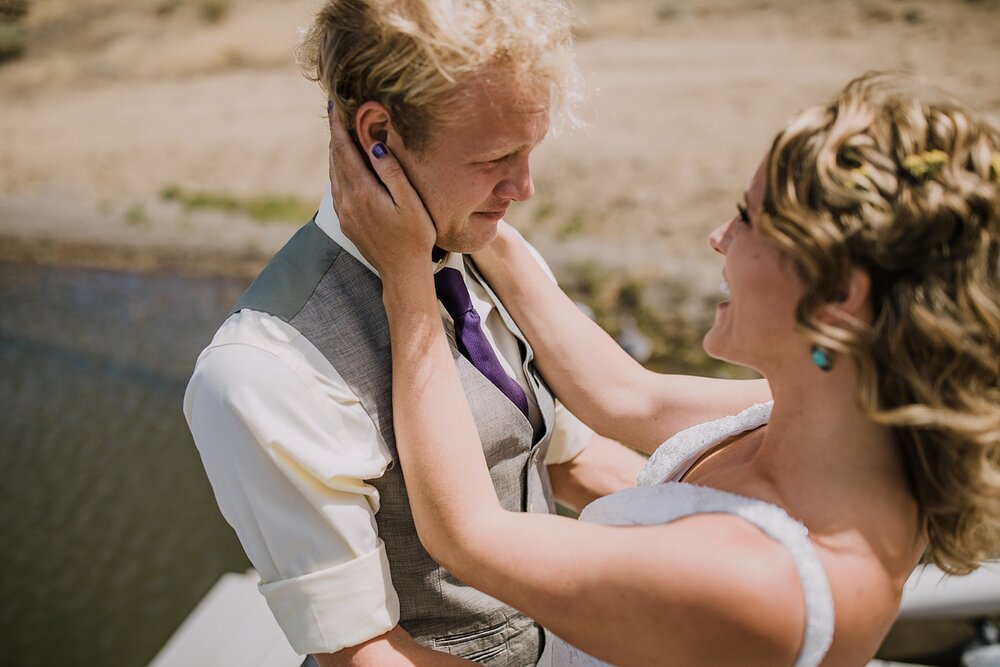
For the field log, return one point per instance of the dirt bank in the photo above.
(117, 103)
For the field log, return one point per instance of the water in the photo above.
(110, 532)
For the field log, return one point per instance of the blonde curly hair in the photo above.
(413, 56)
(906, 188)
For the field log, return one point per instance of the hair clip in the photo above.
(923, 166)
(857, 177)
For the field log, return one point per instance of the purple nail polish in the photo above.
(379, 151)
(329, 106)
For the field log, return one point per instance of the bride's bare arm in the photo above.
(687, 591)
(589, 371)
(611, 591)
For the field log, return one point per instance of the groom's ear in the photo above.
(372, 124)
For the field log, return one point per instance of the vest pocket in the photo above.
(472, 635)
(485, 654)
(478, 645)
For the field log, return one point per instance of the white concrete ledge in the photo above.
(233, 627)
(930, 593)
(230, 627)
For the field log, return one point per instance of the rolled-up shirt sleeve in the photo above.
(288, 463)
(569, 436)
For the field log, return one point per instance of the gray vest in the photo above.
(336, 303)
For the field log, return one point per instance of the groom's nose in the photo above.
(516, 184)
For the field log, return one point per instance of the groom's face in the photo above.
(476, 163)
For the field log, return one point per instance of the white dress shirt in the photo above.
(288, 450)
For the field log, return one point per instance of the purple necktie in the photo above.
(469, 336)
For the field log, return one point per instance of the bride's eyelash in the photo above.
(744, 216)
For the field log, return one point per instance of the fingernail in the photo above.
(329, 106)
(379, 151)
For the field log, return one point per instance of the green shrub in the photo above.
(266, 208)
(136, 216)
(12, 41)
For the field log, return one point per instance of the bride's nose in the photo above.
(717, 238)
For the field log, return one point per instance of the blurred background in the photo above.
(154, 154)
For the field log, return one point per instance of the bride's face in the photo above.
(755, 323)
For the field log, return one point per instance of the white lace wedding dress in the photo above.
(660, 498)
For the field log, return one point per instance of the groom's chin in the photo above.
(473, 240)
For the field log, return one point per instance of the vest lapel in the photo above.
(543, 397)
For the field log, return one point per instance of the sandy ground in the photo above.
(115, 101)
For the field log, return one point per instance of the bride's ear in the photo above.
(854, 302)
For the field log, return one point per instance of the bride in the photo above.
(860, 277)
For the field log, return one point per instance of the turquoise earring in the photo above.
(821, 357)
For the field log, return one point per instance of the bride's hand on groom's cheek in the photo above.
(386, 220)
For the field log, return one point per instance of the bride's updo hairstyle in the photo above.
(906, 189)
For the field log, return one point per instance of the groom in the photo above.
(290, 404)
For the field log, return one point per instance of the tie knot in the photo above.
(452, 292)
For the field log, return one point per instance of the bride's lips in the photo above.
(726, 293)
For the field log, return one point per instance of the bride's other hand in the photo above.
(387, 221)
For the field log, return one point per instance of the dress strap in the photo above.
(673, 458)
(794, 536)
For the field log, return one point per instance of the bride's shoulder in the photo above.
(703, 585)
(728, 570)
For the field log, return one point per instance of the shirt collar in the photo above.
(327, 220)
